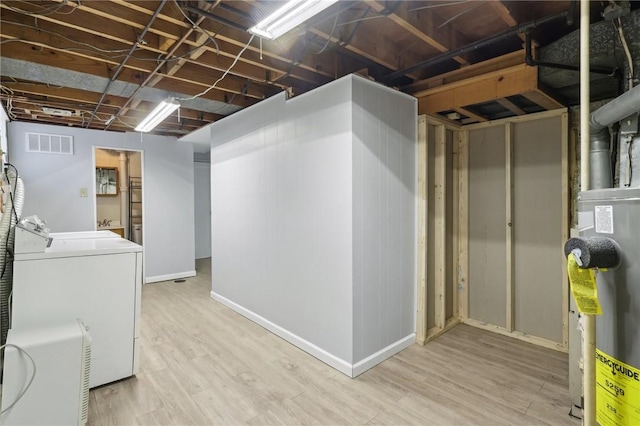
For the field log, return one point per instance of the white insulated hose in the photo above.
(12, 208)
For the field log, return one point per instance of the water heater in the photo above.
(615, 213)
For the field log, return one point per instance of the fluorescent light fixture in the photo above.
(160, 112)
(289, 16)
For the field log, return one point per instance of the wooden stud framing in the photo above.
(440, 231)
(510, 270)
(470, 114)
(462, 264)
(436, 331)
(540, 341)
(510, 106)
(543, 99)
(455, 224)
(565, 224)
(519, 119)
(421, 314)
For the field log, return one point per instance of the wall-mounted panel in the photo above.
(487, 218)
(537, 227)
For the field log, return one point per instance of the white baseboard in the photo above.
(376, 358)
(351, 370)
(170, 277)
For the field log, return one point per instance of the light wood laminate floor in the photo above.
(202, 363)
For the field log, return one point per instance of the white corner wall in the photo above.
(302, 205)
(384, 216)
(53, 183)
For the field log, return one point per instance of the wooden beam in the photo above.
(120, 29)
(233, 37)
(512, 81)
(473, 70)
(421, 326)
(470, 114)
(462, 255)
(440, 231)
(543, 99)
(509, 246)
(409, 23)
(505, 15)
(510, 106)
(519, 119)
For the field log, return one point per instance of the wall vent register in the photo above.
(47, 143)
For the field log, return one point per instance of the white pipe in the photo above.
(124, 193)
(589, 321)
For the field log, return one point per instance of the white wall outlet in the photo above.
(83, 192)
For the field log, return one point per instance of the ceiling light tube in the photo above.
(156, 116)
(289, 16)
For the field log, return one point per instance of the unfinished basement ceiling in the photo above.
(105, 64)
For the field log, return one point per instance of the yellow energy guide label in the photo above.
(617, 392)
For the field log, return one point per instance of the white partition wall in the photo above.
(313, 219)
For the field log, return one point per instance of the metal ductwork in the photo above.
(599, 152)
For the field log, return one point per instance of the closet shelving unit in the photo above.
(135, 204)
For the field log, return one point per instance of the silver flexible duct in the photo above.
(7, 235)
(599, 152)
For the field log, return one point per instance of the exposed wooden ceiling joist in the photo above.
(192, 43)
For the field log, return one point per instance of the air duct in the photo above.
(599, 152)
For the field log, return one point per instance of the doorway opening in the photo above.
(119, 199)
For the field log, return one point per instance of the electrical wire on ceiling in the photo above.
(464, 12)
(223, 75)
(627, 52)
(326, 44)
(19, 24)
(93, 49)
(432, 6)
(125, 123)
(46, 11)
(205, 32)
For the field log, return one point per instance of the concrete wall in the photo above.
(53, 184)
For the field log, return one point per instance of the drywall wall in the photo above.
(313, 205)
(281, 215)
(53, 184)
(487, 232)
(531, 305)
(202, 209)
(537, 227)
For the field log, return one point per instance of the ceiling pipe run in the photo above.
(529, 60)
(522, 28)
(628, 103)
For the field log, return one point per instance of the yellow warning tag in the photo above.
(617, 392)
(583, 287)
